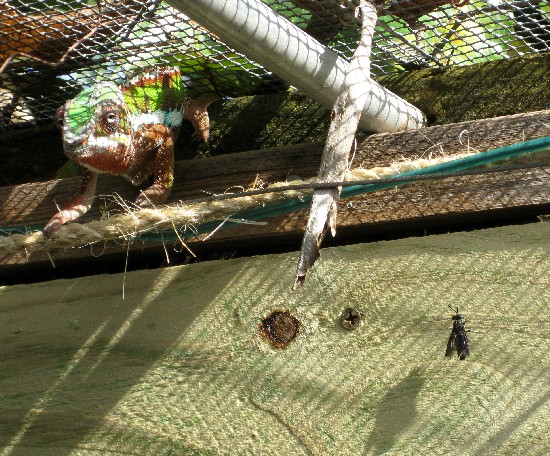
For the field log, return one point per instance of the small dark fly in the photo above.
(458, 340)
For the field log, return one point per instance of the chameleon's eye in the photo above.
(110, 121)
(111, 117)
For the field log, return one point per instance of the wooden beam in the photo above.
(179, 365)
(35, 203)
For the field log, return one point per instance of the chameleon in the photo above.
(127, 130)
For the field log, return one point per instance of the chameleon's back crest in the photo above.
(156, 96)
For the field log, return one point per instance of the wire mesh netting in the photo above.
(51, 49)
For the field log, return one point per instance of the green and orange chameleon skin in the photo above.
(127, 130)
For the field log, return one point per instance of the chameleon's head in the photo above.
(94, 120)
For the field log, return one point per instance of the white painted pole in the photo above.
(254, 29)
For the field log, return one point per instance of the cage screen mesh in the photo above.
(51, 49)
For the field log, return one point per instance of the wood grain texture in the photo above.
(466, 196)
(178, 367)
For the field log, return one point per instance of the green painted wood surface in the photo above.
(178, 367)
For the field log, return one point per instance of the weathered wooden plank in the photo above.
(179, 367)
(35, 203)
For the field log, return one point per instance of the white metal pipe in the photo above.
(254, 29)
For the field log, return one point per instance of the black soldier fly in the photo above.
(458, 340)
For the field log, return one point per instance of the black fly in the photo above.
(458, 340)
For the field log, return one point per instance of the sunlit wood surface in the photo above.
(178, 365)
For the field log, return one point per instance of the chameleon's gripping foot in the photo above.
(153, 196)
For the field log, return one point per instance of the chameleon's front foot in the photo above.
(53, 225)
(154, 195)
(79, 205)
(70, 213)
